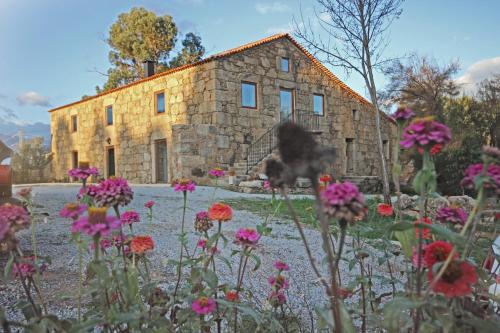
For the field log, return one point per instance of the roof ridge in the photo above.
(227, 53)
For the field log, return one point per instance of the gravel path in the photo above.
(54, 240)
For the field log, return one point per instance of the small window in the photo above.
(160, 102)
(285, 64)
(74, 123)
(74, 159)
(109, 115)
(248, 95)
(355, 115)
(319, 104)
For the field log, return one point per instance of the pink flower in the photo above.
(276, 298)
(184, 185)
(12, 219)
(27, 267)
(453, 215)
(129, 217)
(202, 243)
(203, 305)
(279, 282)
(97, 223)
(247, 236)
(114, 191)
(474, 170)
(402, 114)
(266, 185)
(82, 173)
(343, 201)
(281, 266)
(72, 210)
(149, 204)
(425, 133)
(216, 172)
(89, 190)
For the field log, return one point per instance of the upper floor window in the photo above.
(109, 115)
(74, 123)
(285, 64)
(248, 95)
(319, 104)
(160, 102)
(355, 115)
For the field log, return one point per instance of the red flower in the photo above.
(436, 149)
(436, 252)
(220, 212)
(385, 209)
(456, 280)
(325, 179)
(344, 293)
(232, 296)
(497, 216)
(426, 232)
(141, 244)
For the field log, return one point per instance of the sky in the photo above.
(52, 50)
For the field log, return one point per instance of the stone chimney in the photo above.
(149, 68)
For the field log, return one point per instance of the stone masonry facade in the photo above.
(204, 123)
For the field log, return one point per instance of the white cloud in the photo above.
(477, 72)
(274, 7)
(287, 28)
(33, 98)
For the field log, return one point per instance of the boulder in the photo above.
(251, 184)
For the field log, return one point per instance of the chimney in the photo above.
(149, 68)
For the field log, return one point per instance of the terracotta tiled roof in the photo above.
(227, 53)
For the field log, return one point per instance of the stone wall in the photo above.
(189, 96)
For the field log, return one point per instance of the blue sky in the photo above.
(50, 49)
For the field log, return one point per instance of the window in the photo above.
(319, 104)
(160, 102)
(285, 64)
(74, 123)
(161, 161)
(349, 153)
(111, 161)
(286, 104)
(248, 95)
(355, 115)
(74, 161)
(109, 115)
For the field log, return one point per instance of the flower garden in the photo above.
(436, 275)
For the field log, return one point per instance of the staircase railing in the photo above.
(268, 141)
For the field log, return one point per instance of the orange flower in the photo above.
(141, 244)
(385, 209)
(232, 296)
(220, 212)
(426, 232)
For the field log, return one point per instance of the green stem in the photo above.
(179, 268)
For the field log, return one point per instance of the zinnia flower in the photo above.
(97, 223)
(325, 179)
(437, 251)
(279, 282)
(149, 204)
(232, 296)
(114, 191)
(202, 223)
(276, 298)
(72, 210)
(25, 192)
(220, 212)
(456, 280)
(12, 219)
(426, 232)
(247, 237)
(141, 244)
(455, 215)
(385, 209)
(129, 217)
(203, 305)
(83, 172)
(89, 190)
(202, 243)
(425, 133)
(281, 266)
(402, 114)
(184, 185)
(216, 172)
(343, 201)
(474, 170)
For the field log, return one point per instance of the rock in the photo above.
(408, 202)
(303, 183)
(251, 184)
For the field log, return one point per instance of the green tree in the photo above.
(489, 96)
(30, 159)
(141, 35)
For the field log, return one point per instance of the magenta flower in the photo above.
(129, 217)
(27, 267)
(455, 215)
(216, 172)
(279, 282)
(104, 243)
(343, 201)
(281, 266)
(82, 173)
(203, 305)
(266, 185)
(97, 223)
(89, 190)
(247, 237)
(72, 210)
(277, 298)
(425, 132)
(149, 204)
(474, 170)
(202, 243)
(12, 219)
(402, 114)
(184, 185)
(114, 191)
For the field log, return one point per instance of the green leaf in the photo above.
(396, 312)
(257, 261)
(7, 272)
(407, 239)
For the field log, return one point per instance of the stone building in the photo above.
(219, 112)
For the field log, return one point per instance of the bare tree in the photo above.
(353, 36)
(489, 95)
(421, 83)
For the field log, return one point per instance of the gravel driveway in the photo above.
(54, 240)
